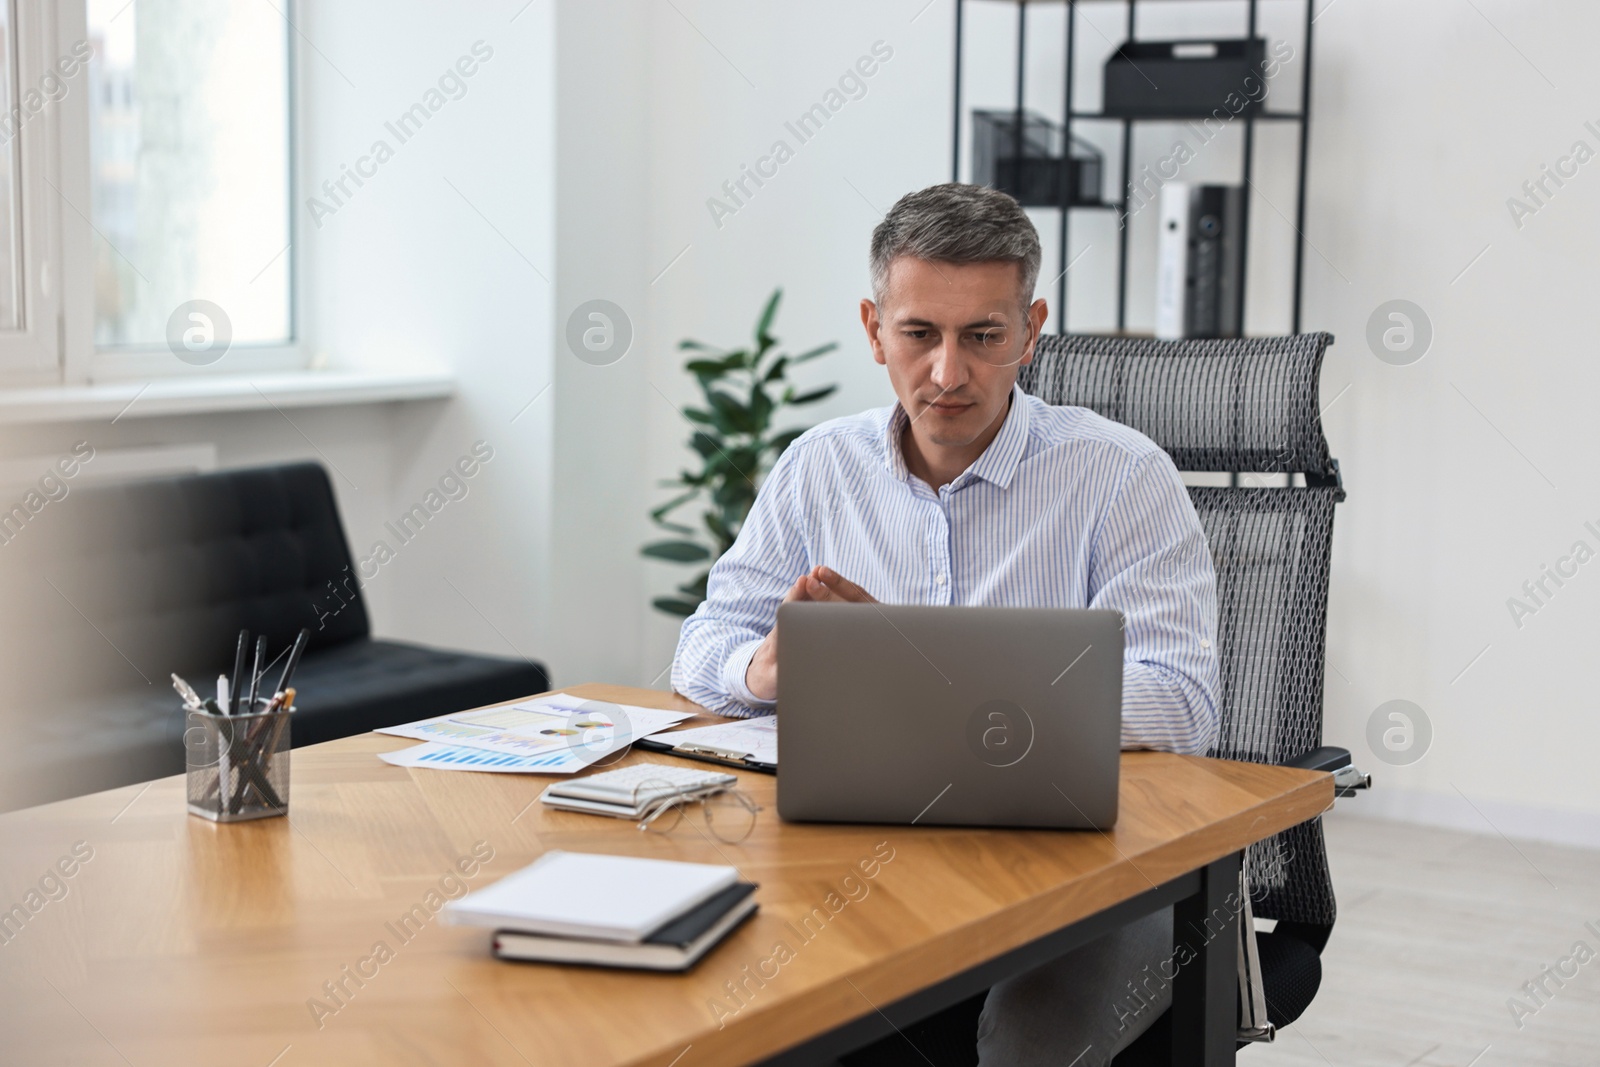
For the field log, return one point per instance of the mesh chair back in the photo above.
(1240, 406)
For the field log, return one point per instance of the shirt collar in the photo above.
(999, 461)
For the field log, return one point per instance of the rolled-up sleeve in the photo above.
(1150, 561)
(742, 596)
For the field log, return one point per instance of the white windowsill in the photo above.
(202, 394)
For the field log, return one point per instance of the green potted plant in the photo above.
(745, 390)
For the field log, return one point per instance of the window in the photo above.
(151, 177)
(31, 86)
(189, 166)
(10, 187)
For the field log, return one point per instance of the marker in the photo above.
(222, 694)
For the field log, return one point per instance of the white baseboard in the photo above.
(1530, 822)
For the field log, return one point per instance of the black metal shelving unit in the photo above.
(1071, 116)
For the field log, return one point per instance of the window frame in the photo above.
(33, 354)
(68, 354)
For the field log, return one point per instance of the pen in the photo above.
(255, 673)
(235, 689)
(300, 641)
(283, 698)
(186, 691)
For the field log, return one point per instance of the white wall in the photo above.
(1471, 468)
(599, 410)
(445, 257)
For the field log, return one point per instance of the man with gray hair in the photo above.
(969, 491)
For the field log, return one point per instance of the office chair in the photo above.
(1247, 408)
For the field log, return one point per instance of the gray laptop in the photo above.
(956, 716)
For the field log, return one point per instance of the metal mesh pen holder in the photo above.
(238, 765)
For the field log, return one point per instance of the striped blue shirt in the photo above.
(1064, 509)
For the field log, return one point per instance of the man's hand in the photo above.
(820, 584)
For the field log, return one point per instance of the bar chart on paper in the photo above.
(435, 754)
(555, 734)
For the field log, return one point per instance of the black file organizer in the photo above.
(1037, 163)
(1146, 79)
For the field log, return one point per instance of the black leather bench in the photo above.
(111, 590)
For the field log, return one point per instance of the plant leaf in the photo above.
(768, 313)
(679, 606)
(697, 346)
(760, 409)
(696, 415)
(676, 551)
(731, 416)
(811, 397)
(734, 495)
(775, 372)
(718, 528)
(782, 441)
(820, 350)
(697, 587)
(739, 460)
(706, 444)
(660, 513)
(704, 368)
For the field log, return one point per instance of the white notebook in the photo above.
(582, 894)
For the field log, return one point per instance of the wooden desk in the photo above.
(184, 942)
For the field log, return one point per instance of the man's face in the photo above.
(952, 337)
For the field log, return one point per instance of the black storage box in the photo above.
(1046, 176)
(1185, 79)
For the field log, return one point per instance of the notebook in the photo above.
(583, 894)
(677, 946)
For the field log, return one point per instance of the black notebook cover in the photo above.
(682, 931)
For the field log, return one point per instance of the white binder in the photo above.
(1172, 262)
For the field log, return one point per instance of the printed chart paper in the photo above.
(556, 734)
(459, 758)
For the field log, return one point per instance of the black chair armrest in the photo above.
(1327, 758)
(1336, 761)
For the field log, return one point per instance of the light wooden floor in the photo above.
(1437, 929)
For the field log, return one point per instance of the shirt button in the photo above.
(1205, 642)
(938, 579)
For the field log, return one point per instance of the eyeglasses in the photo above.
(730, 814)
